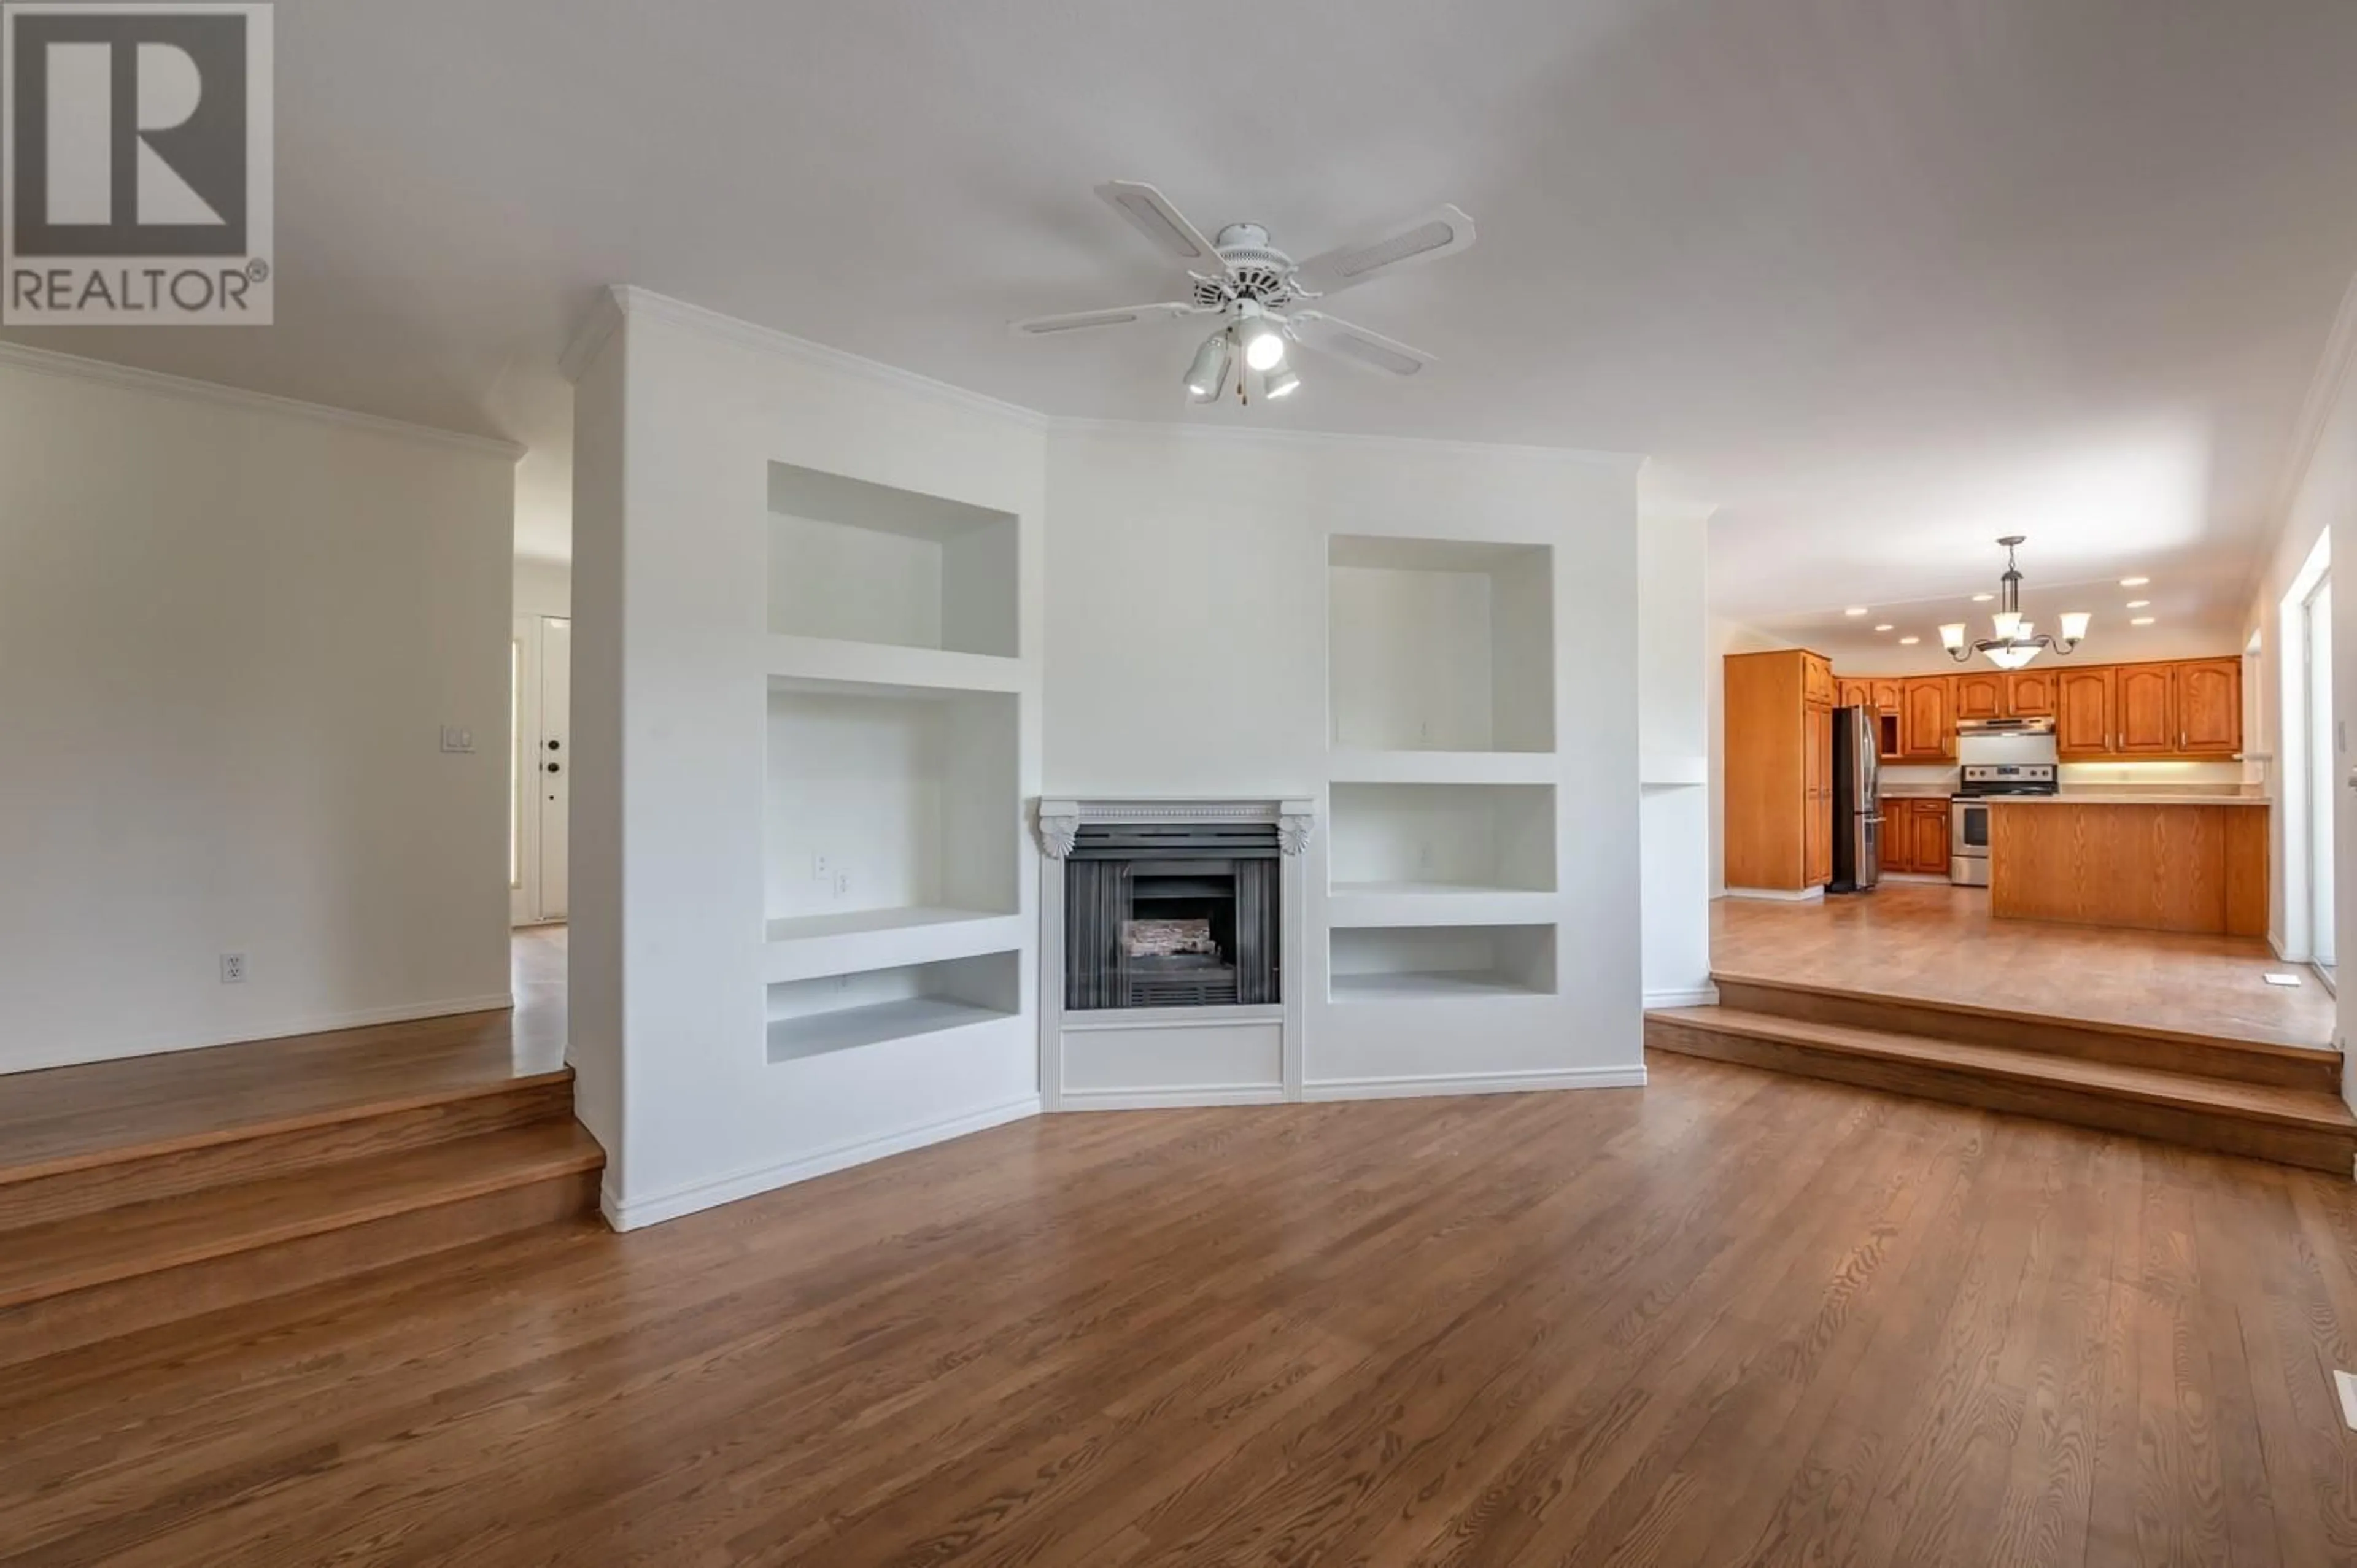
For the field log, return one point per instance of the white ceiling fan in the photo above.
(1261, 294)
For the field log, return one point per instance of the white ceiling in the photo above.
(1890, 279)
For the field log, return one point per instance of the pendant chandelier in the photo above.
(2016, 642)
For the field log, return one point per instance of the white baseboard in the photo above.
(1779, 895)
(1475, 1083)
(1694, 996)
(656, 1208)
(1171, 1098)
(274, 1029)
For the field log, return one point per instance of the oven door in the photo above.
(1969, 842)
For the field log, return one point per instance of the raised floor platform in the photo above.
(1938, 943)
(1916, 990)
(146, 1190)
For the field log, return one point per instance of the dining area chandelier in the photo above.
(2016, 641)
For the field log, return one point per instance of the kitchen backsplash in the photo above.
(1901, 779)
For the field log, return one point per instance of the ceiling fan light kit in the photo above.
(2016, 641)
(1259, 294)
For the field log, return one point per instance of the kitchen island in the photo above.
(2141, 859)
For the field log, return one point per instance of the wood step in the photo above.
(72, 1118)
(2297, 1126)
(70, 1282)
(2208, 1055)
(144, 1172)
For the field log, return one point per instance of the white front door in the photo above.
(541, 667)
(556, 762)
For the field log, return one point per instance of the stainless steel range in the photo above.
(2013, 756)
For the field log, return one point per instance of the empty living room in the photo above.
(1545, 782)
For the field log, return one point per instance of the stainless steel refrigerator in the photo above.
(1857, 801)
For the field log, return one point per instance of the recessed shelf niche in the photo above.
(843, 1012)
(866, 563)
(1442, 838)
(1440, 645)
(1395, 963)
(888, 807)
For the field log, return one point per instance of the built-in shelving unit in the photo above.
(891, 803)
(893, 806)
(1440, 645)
(855, 561)
(1442, 852)
(838, 1012)
(1469, 838)
(1400, 963)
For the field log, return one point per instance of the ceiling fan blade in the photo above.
(1154, 217)
(1316, 330)
(1443, 232)
(1120, 315)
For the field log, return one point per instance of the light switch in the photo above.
(458, 738)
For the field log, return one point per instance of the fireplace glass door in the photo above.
(1180, 916)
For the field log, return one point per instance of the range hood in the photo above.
(2005, 726)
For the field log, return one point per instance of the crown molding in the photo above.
(598, 323)
(46, 361)
(617, 302)
(620, 301)
(1334, 440)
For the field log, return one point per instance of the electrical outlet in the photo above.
(232, 969)
(820, 870)
(843, 885)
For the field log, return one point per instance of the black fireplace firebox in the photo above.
(1172, 915)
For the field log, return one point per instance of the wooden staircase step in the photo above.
(73, 1118)
(2208, 1055)
(142, 1174)
(70, 1282)
(2300, 1126)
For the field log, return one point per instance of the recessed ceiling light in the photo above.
(1909, 641)
(1884, 627)
(2133, 582)
(2140, 621)
(2139, 604)
(1855, 611)
(1983, 598)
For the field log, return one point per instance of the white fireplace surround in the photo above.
(1141, 1058)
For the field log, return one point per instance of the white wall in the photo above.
(2320, 499)
(1186, 632)
(230, 634)
(542, 587)
(1673, 738)
(678, 415)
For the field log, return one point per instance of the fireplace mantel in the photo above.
(1061, 817)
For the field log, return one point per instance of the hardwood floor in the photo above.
(1730, 1318)
(1938, 943)
(192, 1098)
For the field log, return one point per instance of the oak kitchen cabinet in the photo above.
(2087, 710)
(2167, 709)
(1779, 770)
(1980, 694)
(2209, 706)
(1915, 836)
(1927, 726)
(2173, 708)
(2029, 694)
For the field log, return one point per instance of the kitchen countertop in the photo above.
(2131, 798)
